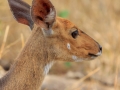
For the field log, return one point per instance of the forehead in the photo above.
(65, 24)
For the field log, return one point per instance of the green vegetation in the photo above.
(63, 13)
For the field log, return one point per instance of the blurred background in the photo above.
(98, 18)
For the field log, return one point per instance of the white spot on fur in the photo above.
(68, 46)
(47, 67)
(76, 59)
(47, 32)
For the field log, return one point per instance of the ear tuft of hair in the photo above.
(43, 13)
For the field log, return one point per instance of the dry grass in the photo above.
(98, 18)
(4, 41)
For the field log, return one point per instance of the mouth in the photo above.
(92, 55)
(95, 55)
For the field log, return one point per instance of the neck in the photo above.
(30, 67)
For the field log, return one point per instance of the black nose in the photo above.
(100, 48)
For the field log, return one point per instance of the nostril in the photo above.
(100, 48)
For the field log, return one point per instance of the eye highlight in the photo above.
(75, 34)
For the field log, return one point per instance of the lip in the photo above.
(99, 53)
(95, 55)
(92, 55)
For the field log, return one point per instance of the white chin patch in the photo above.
(76, 59)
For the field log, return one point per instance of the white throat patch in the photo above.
(47, 67)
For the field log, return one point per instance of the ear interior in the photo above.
(21, 12)
(43, 13)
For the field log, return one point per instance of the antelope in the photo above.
(52, 39)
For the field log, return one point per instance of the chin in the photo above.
(77, 59)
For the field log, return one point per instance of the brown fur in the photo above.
(27, 73)
(40, 9)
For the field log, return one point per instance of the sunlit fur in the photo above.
(46, 44)
(80, 47)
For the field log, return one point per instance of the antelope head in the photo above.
(65, 41)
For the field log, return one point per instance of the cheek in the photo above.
(74, 57)
(68, 46)
(73, 49)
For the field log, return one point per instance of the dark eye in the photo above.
(75, 34)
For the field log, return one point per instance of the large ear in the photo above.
(21, 12)
(43, 13)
